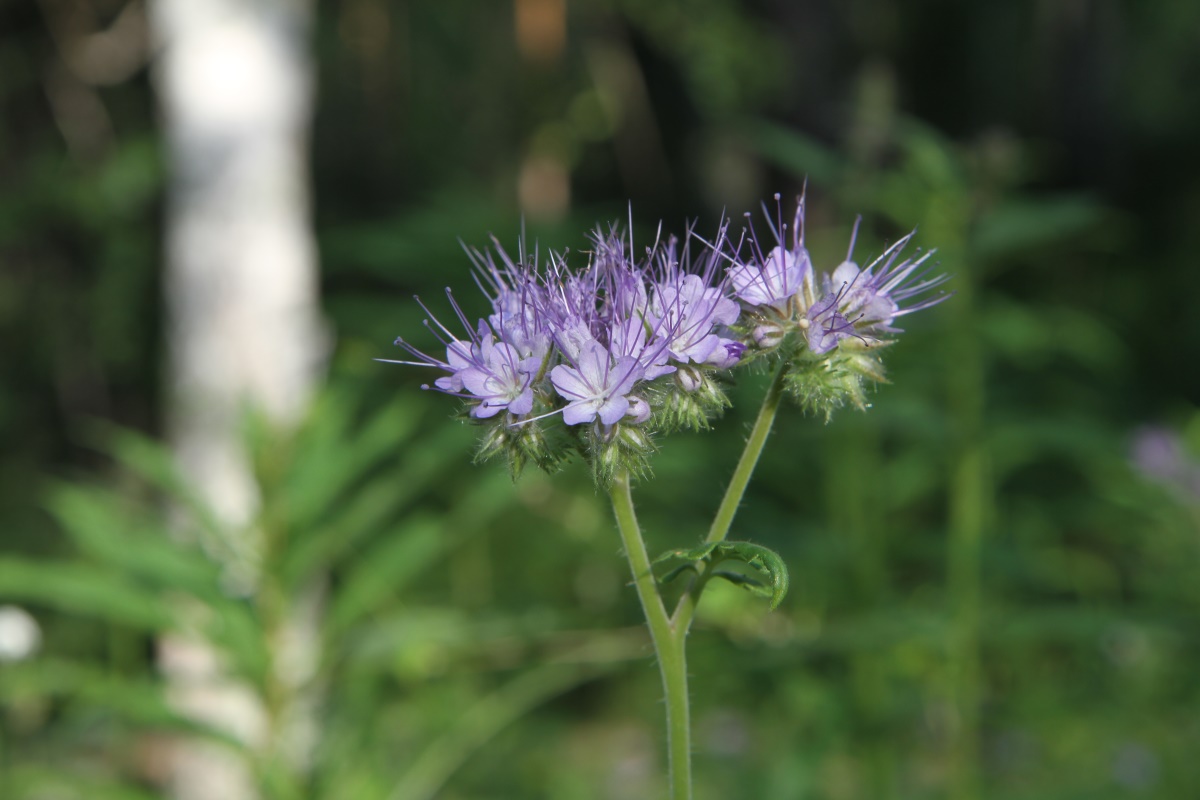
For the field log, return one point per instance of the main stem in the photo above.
(668, 641)
(669, 634)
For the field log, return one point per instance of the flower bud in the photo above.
(768, 335)
(639, 410)
(689, 378)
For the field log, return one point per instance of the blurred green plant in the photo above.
(1040, 504)
(345, 507)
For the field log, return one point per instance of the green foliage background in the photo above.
(987, 599)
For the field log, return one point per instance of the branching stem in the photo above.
(682, 618)
(669, 634)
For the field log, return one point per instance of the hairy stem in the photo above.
(682, 619)
(749, 459)
(669, 640)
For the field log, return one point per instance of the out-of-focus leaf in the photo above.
(131, 699)
(801, 155)
(110, 535)
(236, 628)
(333, 459)
(931, 159)
(1032, 335)
(1056, 623)
(415, 546)
(439, 760)
(413, 642)
(374, 506)
(390, 249)
(83, 589)
(1016, 443)
(155, 464)
(52, 782)
(382, 571)
(1029, 223)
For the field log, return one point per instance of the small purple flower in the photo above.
(773, 280)
(871, 298)
(481, 369)
(780, 291)
(518, 301)
(495, 374)
(824, 326)
(780, 275)
(459, 357)
(628, 337)
(497, 379)
(571, 335)
(639, 410)
(728, 354)
(685, 313)
(597, 386)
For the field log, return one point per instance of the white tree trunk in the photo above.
(243, 325)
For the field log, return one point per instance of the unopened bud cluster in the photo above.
(602, 359)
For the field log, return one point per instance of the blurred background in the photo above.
(241, 559)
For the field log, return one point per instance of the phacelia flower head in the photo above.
(591, 349)
(888, 288)
(779, 277)
(825, 324)
(598, 359)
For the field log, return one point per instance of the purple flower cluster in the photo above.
(586, 344)
(782, 292)
(625, 341)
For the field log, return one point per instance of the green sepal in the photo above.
(823, 384)
(679, 408)
(770, 580)
(618, 448)
(521, 444)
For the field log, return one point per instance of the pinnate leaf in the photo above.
(768, 577)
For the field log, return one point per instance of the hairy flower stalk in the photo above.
(600, 360)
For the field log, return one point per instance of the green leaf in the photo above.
(383, 571)
(136, 701)
(796, 153)
(332, 458)
(424, 777)
(124, 540)
(1026, 224)
(155, 464)
(368, 510)
(237, 629)
(81, 589)
(770, 580)
(36, 782)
